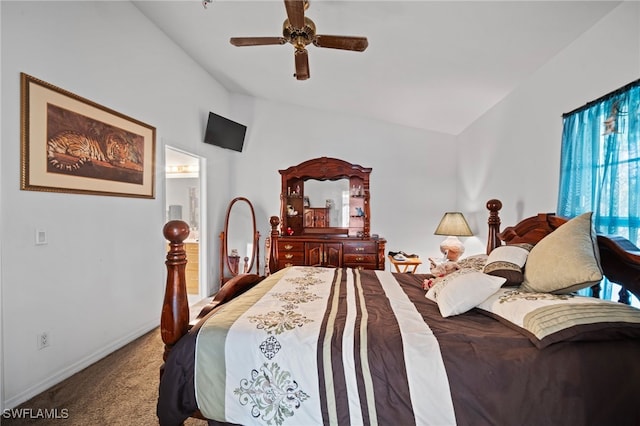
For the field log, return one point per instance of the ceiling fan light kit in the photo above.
(300, 31)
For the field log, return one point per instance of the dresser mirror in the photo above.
(239, 241)
(325, 196)
(325, 218)
(332, 196)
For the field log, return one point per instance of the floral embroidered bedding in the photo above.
(314, 346)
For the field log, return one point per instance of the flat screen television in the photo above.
(224, 133)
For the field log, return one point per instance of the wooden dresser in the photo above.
(364, 253)
(337, 235)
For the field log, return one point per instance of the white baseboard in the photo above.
(78, 366)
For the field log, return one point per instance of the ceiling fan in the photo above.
(300, 31)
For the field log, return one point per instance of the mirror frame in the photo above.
(322, 168)
(224, 246)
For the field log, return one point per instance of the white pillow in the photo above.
(438, 283)
(476, 261)
(463, 291)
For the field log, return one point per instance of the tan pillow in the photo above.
(566, 260)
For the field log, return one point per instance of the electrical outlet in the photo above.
(41, 237)
(43, 340)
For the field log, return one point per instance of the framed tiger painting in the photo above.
(71, 144)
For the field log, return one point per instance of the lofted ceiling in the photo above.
(435, 65)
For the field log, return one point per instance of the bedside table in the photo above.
(413, 262)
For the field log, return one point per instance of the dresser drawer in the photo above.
(296, 257)
(359, 247)
(290, 246)
(370, 266)
(355, 259)
(295, 261)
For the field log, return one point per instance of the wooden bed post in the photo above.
(174, 321)
(273, 244)
(493, 241)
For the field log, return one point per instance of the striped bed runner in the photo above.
(313, 346)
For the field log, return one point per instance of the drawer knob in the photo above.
(359, 259)
(286, 265)
(288, 247)
(359, 248)
(288, 256)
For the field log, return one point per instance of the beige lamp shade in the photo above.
(453, 225)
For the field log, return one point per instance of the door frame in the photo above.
(203, 259)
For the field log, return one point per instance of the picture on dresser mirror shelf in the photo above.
(71, 144)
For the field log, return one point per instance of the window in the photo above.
(600, 166)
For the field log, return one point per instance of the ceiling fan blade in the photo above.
(358, 44)
(256, 41)
(302, 64)
(295, 12)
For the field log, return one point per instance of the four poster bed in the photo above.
(313, 345)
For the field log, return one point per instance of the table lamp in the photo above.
(453, 225)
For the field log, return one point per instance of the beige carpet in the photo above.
(120, 389)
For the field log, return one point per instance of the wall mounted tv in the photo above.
(224, 133)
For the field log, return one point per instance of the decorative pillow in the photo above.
(471, 263)
(462, 290)
(476, 262)
(434, 280)
(550, 318)
(508, 262)
(566, 260)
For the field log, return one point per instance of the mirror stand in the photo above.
(239, 233)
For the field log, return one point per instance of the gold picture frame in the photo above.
(71, 144)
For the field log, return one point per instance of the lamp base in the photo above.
(452, 248)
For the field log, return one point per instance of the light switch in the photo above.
(41, 237)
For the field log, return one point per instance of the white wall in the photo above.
(99, 282)
(412, 182)
(513, 151)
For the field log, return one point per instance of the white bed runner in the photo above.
(257, 363)
(430, 394)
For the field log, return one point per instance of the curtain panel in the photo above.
(600, 164)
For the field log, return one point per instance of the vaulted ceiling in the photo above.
(435, 65)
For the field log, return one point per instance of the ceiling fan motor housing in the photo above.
(299, 37)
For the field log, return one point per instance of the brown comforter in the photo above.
(496, 375)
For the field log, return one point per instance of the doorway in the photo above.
(185, 200)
